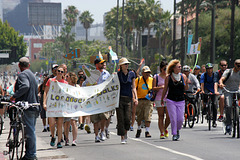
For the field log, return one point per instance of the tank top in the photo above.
(176, 90)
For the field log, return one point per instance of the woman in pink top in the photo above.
(160, 78)
(52, 120)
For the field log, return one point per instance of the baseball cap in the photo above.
(98, 61)
(123, 61)
(54, 65)
(146, 69)
(186, 68)
(24, 60)
(197, 67)
(209, 65)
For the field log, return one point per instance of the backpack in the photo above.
(228, 75)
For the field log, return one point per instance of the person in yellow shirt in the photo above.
(145, 107)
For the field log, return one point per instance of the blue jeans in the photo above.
(29, 120)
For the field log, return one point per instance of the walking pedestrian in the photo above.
(158, 85)
(128, 95)
(175, 83)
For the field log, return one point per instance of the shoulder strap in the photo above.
(145, 83)
(228, 75)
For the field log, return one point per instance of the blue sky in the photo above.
(99, 7)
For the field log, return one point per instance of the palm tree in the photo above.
(66, 37)
(86, 19)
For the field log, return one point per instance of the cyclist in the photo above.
(26, 89)
(231, 77)
(196, 72)
(208, 80)
(192, 80)
(223, 66)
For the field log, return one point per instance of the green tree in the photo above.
(10, 40)
(66, 36)
(86, 19)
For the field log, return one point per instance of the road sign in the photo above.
(4, 55)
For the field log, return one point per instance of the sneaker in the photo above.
(123, 141)
(214, 125)
(102, 136)
(138, 133)
(162, 136)
(67, 142)
(166, 133)
(44, 130)
(174, 138)
(81, 126)
(97, 139)
(147, 135)
(59, 145)
(220, 118)
(48, 129)
(131, 128)
(178, 135)
(228, 128)
(74, 143)
(87, 128)
(52, 143)
(107, 133)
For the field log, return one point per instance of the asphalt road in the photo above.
(196, 143)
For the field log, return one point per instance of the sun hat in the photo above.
(123, 61)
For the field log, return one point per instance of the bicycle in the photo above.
(190, 110)
(16, 139)
(1, 124)
(234, 113)
(209, 106)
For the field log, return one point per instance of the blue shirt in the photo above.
(209, 84)
(103, 77)
(126, 83)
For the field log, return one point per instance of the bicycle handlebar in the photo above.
(238, 91)
(22, 104)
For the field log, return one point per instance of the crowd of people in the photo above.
(136, 101)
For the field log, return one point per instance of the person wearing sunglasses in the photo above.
(71, 78)
(223, 66)
(101, 118)
(231, 81)
(175, 84)
(52, 120)
(158, 85)
(54, 70)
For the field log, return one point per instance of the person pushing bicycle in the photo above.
(231, 81)
(26, 89)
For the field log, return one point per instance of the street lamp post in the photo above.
(117, 27)
(212, 56)
(174, 31)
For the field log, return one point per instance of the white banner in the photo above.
(195, 48)
(67, 101)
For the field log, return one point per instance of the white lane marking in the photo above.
(164, 148)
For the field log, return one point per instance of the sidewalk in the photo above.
(44, 150)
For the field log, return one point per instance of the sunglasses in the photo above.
(126, 64)
(179, 67)
(238, 65)
(224, 65)
(165, 69)
(60, 71)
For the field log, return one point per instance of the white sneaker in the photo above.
(123, 141)
(97, 139)
(102, 136)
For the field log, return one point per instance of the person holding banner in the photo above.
(71, 78)
(52, 120)
(175, 84)
(100, 119)
(127, 95)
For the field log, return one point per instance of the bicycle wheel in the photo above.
(20, 141)
(10, 142)
(191, 115)
(1, 124)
